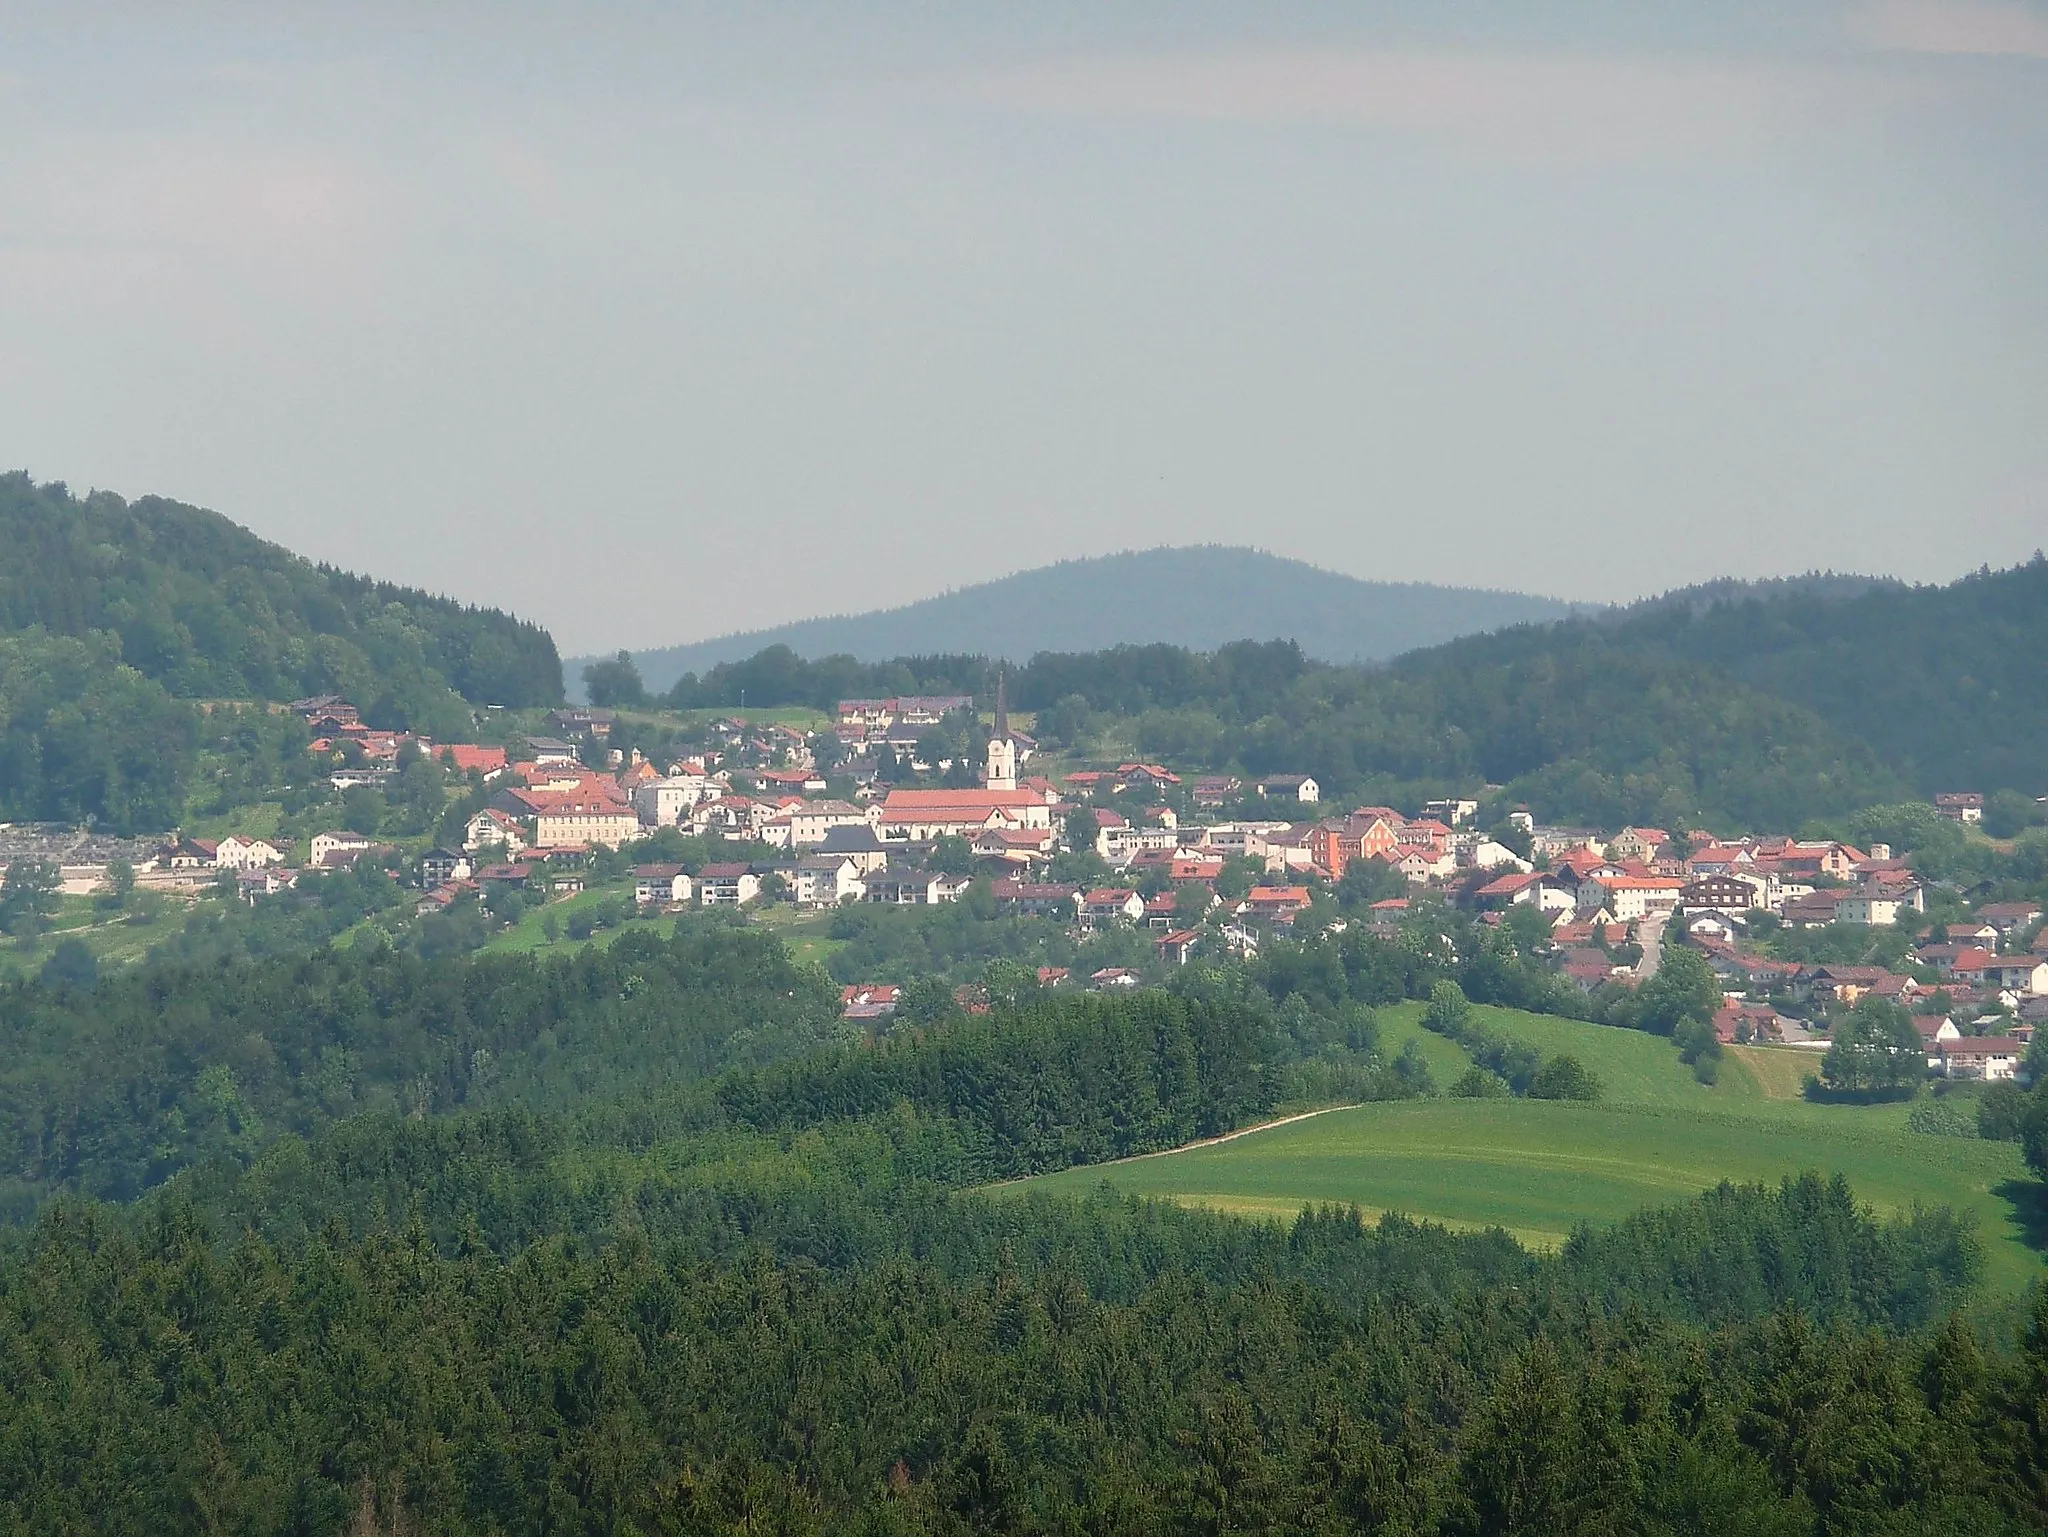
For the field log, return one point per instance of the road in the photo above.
(1650, 935)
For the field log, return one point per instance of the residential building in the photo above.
(1111, 904)
(859, 843)
(443, 867)
(1992, 1058)
(1960, 805)
(912, 888)
(1038, 900)
(1294, 787)
(235, 852)
(328, 843)
(494, 829)
(826, 880)
(660, 885)
(728, 885)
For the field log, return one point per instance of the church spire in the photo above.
(1002, 747)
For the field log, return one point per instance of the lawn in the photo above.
(1537, 1168)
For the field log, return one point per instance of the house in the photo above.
(666, 801)
(1030, 900)
(1935, 1031)
(1112, 979)
(581, 720)
(1960, 805)
(1177, 945)
(548, 750)
(2009, 917)
(191, 854)
(2004, 973)
(1487, 854)
(860, 843)
(1718, 893)
(575, 821)
(826, 880)
(325, 844)
(1052, 976)
(872, 1000)
(728, 885)
(1880, 905)
(912, 888)
(263, 881)
(325, 707)
(1629, 897)
(660, 885)
(1992, 1058)
(444, 867)
(1294, 787)
(1815, 911)
(492, 828)
(1216, 790)
(504, 877)
(1637, 843)
(235, 852)
(1015, 845)
(1111, 904)
(1276, 904)
(468, 758)
(1138, 776)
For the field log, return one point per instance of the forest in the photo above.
(111, 610)
(640, 1238)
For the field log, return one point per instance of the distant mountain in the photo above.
(1198, 597)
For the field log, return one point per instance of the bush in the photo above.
(1478, 1083)
(2002, 1112)
(1941, 1118)
(1564, 1076)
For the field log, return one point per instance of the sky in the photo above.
(653, 322)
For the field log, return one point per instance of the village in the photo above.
(1205, 867)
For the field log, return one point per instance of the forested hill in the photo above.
(1946, 683)
(208, 610)
(1199, 597)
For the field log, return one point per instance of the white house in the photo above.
(495, 829)
(664, 802)
(1295, 787)
(660, 885)
(727, 885)
(336, 843)
(825, 880)
(235, 852)
(1989, 1057)
(1880, 906)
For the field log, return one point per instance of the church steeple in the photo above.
(1002, 747)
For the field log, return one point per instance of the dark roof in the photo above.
(849, 839)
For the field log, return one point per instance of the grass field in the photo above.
(1537, 1168)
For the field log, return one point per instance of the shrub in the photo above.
(1564, 1076)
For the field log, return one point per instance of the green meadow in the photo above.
(1539, 1168)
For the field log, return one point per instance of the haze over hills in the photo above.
(1197, 596)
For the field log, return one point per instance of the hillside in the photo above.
(1199, 597)
(208, 610)
(116, 617)
(1946, 683)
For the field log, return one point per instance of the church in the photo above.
(918, 816)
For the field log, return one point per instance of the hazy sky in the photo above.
(657, 321)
